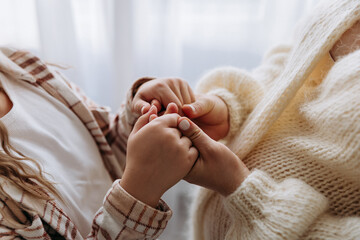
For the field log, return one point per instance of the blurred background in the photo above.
(110, 43)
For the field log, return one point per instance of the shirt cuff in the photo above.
(135, 214)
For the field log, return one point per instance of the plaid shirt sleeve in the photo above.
(121, 216)
(124, 217)
(115, 127)
(137, 219)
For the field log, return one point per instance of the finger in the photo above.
(185, 93)
(189, 129)
(156, 103)
(169, 120)
(176, 132)
(152, 117)
(175, 86)
(194, 153)
(145, 108)
(199, 108)
(171, 108)
(140, 106)
(185, 141)
(144, 119)
(194, 158)
(169, 97)
(192, 95)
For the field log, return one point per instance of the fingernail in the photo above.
(184, 125)
(142, 110)
(152, 117)
(192, 108)
(153, 107)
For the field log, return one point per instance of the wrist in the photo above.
(222, 104)
(236, 178)
(140, 191)
(233, 111)
(347, 43)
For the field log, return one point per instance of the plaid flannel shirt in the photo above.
(121, 216)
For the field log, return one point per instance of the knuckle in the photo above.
(183, 82)
(197, 106)
(170, 116)
(195, 134)
(171, 134)
(193, 156)
(174, 115)
(134, 108)
(172, 82)
(179, 80)
(159, 85)
(157, 125)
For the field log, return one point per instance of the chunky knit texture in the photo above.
(296, 125)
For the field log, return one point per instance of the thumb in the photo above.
(200, 107)
(144, 119)
(189, 129)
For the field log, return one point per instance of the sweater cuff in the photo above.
(235, 110)
(135, 214)
(273, 209)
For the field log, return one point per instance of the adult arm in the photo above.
(262, 208)
(236, 90)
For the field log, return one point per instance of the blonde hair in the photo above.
(13, 169)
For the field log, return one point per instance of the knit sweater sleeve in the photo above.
(242, 90)
(264, 209)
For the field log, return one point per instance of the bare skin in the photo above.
(348, 43)
(208, 118)
(5, 103)
(217, 167)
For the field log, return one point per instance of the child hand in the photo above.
(158, 156)
(161, 92)
(217, 167)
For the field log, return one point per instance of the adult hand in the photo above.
(210, 113)
(160, 92)
(217, 167)
(158, 156)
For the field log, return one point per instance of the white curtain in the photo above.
(109, 43)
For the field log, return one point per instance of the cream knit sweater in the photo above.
(300, 136)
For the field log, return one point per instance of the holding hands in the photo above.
(162, 150)
(217, 167)
(209, 112)
(158, 156)
(160, 92)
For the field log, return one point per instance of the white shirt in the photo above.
(44, 129)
